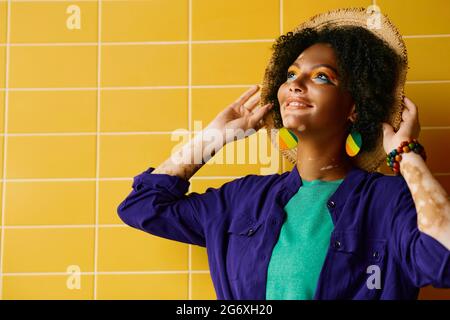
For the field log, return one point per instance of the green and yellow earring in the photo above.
(287, 139)
(353, 143)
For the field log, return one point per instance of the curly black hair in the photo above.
(367, 65)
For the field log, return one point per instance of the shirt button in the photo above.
(376, 254)
(250, 232)
(337, 244)
(331, 204)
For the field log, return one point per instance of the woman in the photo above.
(333, 227)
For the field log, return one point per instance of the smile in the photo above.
(295, 105)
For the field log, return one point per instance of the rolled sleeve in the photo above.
(423, 259)
(158, 204)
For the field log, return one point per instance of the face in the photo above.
(312, 100)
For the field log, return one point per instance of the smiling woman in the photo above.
(348, 74)
(333, 227)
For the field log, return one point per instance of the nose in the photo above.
(297, 85)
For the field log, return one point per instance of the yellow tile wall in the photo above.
(84, 110)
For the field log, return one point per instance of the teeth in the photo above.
(296, 104)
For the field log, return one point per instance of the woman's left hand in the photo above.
(409, 128)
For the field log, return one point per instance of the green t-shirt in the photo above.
(300, 251)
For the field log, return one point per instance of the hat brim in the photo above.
(369, 161)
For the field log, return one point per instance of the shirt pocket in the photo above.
(360, 265)
(242, 233)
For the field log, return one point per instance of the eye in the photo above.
(323, 77)
(290, 75)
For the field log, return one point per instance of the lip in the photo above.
(303, 103)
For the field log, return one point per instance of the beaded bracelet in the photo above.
(394, 157)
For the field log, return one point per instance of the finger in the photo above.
(259, 115)
(253, 102)
(244, 110)
(410, 105)
(246, 95)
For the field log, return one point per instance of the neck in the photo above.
(327, 162)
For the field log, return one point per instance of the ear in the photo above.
(353, 115)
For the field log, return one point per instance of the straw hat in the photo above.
(369, 161)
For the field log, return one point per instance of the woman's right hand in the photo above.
(237, 118)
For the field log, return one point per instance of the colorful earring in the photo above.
(353, 143)
(287, 139)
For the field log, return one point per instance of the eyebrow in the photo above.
(320, 65)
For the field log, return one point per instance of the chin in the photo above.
(291, 123)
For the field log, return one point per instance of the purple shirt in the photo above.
(375, 232)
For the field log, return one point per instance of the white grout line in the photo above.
(216, 86)
(427, 81)
(130, 179)
(135, 43)
(281, 16)
(97, 155)
(20, 180)
(87, 273)
(65, 226)
(130, 133)
(180, 42)
(212, 86)
(280, 156)
(5, 142)
(425, 36)
(34, 1)
(190, 127)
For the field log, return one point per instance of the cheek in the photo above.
(329, 100)
(281, 93)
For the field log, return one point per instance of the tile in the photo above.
(201, 185)
(199, 258)
(296, 12)
(143, 286)
(129, 155)
(3, 20)
(111, 194)
(225, 20)
(428, 59)
(252, 155)
(2, 66)
(207, 103)
(46, 288)
(431, 100)
(437, 144)
(64, 21)
(52, 111)
(202, 287)
(418, 17)
(1, 203)
(431, 293)
(128, 249)
(444, 180)
(53, 67)
(144, 110)
(50, 203)
(48, 249)
(2, 141)
(160, 20)
(229, 63)
(144, 65)
(2, 110)
(51, 157)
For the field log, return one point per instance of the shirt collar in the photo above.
(292, 182)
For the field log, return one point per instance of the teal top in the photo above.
(300, 251)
